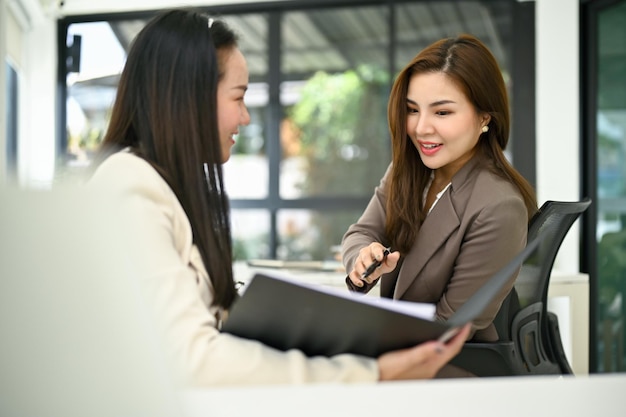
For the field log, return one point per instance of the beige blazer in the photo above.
(478, 225)
(178, 291)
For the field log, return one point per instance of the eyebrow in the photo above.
(433, 104)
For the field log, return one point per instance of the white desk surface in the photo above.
(588, 396)
(336, 278)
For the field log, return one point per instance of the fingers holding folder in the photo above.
(422, 361)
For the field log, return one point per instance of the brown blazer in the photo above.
(479, 224)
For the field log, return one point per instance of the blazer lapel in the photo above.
(438, 226)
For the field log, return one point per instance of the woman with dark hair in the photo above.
(451, 207)
(178, 106)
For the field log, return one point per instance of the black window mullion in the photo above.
(523, 92)
(274, 115)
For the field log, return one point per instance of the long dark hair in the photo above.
(166, 112)
(472, 67)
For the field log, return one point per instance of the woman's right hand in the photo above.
(422, 361)
(367, 255)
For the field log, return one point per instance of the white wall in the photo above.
(28, 39)
(37, 151)
(557, 112)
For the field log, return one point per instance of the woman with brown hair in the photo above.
(451, 207)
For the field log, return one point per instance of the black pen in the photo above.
(376, 264)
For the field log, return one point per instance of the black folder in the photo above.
(286, 314)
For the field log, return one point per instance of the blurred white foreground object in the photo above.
(76, 340)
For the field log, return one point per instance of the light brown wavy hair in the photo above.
(473, 68)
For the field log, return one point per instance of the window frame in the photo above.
(522, 71)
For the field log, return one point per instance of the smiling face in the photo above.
(441, 122)
(231, 109)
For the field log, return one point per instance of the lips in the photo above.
(429, 148)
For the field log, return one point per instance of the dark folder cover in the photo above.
(285, 314)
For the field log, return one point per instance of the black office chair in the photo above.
(530, 342)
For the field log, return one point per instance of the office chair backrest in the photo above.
(531, 327)
(529, 341)
(554, 219)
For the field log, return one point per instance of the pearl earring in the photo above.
(485, 129)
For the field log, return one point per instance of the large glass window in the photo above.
(318, 144)
(334, 140)
(95, 59)
(247, 171)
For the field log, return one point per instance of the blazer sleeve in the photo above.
(494, 237)
(198, 353)
(370, 227)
